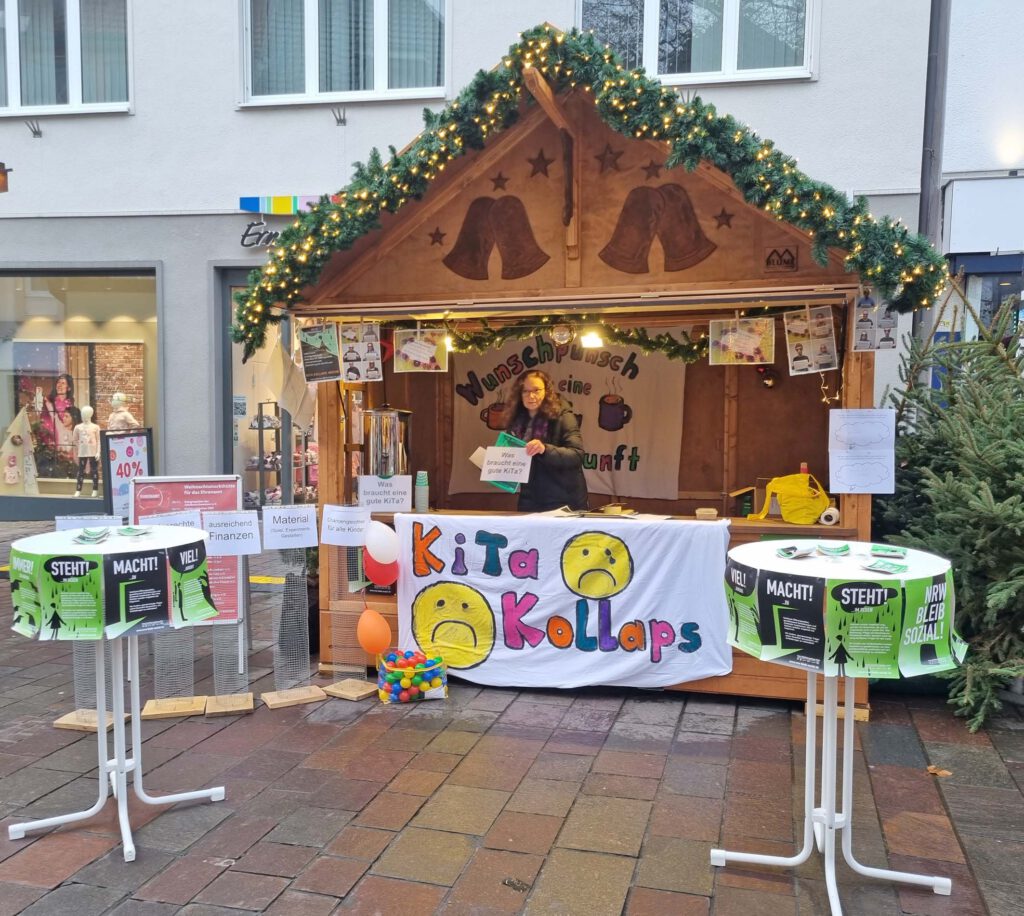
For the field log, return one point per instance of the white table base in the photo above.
(822, 822)
(118, 768)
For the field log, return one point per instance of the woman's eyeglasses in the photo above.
(533, 392)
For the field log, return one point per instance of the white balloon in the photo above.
(381, 542)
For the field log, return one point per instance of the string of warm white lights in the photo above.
(902, 267)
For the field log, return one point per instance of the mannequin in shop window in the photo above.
(120, 416)
(59, 416)
(86, 437)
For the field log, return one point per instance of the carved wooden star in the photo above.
(723, 219)
(609, 158)
(437, 236)
(653, 170)
(499, 181)
(540, 164)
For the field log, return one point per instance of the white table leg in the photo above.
(17, 831)
(721, 856)
(938, 884)
(821, 823)
(119, 767)
(214, 794)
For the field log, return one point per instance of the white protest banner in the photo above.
(285, 527)
(185, 518)
(344, 526)
(535, 601)
(232, 534)
(70, 522)
(386, 494)
(508, 464)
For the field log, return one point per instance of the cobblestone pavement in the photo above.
(498, 801)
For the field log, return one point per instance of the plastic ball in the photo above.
(391, 656)
(417, 680)
(404, 696)
(405, 682)
(384, 695)
(409, 672)
(414, 691)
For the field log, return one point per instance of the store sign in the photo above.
(257, 235)
(536, 601)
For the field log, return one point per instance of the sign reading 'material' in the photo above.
(535, 601)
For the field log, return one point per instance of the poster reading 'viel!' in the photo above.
(844, 627)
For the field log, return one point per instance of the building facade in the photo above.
(154, 149)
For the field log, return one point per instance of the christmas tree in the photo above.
(960, 494)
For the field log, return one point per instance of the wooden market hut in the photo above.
(548, 192)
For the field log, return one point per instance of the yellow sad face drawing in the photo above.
(596, 565)
(457, 620)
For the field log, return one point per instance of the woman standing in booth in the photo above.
(552, 435)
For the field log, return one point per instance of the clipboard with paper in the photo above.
(505, 440)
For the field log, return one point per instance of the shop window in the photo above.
(68, 342)
(345, 48)
(703, 41)
(993, 292)
(68, 54)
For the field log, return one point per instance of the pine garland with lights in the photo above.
(904, 268)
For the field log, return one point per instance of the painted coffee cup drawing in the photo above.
(613, 412)
(495, 415)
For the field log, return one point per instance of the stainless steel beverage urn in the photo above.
(387, 441)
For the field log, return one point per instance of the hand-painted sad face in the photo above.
(456, 620)
(596, 565)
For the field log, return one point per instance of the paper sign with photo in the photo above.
(810, 340)
(741, 341)
(422, 350)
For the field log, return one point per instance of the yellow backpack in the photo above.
(801, 499)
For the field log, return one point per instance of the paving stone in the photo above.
(331, 876)
(15, 897)
(576, 883)
(80, 899)
(404, 739)
(461, 809)
(684, 776)
(1002, 899)
(695, 723)
(374, 895)
(640, 737)
(206, 909)
(435, 762)
(266, 765)
(53, 858)
(658, 710)
(491, 771)
(970, 766)
(182, 880)
(473, 720)
(242, 891)
(587, 719)
(26, 785)
(645, 901)
(416, 782)
(528, 833)
(733, 901)
(623, 763)
(620, 786)
(495, 700)
(994, 813)
(132, 907)
(923, 836)
(502, 879)
(687, 817)
(233, 837)
(770, 750)
(919, 901)
(543, 796)
(898, 789)
(297, 903)
(360, 843)
(275, 859)
(79, 758)
(614, 825)
(869, 898)
(586, 743)
(673, 864)
(111, 870)
(752, 877)
(309, 827)
(715, 749)
(895, 745)
(943, 727)
(992, 859)
(505, 745)
(573, 767)
(390, 811)
(452, 741)
(432, 856)
(179, 828)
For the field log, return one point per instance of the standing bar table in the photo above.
(111, 590)
(825, 610)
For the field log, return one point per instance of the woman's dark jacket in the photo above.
(556, 477)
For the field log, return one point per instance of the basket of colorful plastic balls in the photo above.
(409, 675)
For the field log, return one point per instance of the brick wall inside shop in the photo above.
(118, 368)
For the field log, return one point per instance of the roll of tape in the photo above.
(830, 516)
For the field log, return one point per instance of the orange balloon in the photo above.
(373, 632)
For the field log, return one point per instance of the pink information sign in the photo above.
(159, 495)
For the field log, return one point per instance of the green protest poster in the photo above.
(136, 590)
(27, 614)
(71, 597)
(191, 601)
(864, 622)
(741, 596)
(927, 626)
(791, 622)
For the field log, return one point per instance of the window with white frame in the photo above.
(316, 48)
(702, 41)
(63, 54)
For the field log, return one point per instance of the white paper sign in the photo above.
(71, 522)
(386, 494)
(861, 451)
(507, 464)
(232, 534)
(344, 526)
(289, 526)
(185, 518)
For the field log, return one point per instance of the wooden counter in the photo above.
(340, 610)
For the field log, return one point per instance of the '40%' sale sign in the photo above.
(537, 601)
